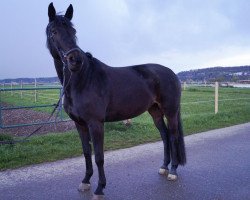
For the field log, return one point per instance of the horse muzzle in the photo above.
(74, 59)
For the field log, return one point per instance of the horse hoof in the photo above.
(163, 171)
(172, 177)
(84, 187)
(97, 197)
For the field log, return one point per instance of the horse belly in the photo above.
(124, 106)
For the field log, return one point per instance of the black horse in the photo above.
(95, 93)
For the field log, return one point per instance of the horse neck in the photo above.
(79, 80)
(59, 69)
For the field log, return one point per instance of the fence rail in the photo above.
(5, 92)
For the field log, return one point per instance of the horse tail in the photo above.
(181, 152)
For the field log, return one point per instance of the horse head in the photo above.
(61, 39)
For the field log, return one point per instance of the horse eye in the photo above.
(53, 32)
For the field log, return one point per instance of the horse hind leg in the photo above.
(157, 116)
(177, 146)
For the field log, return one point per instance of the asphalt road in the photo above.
(218, 168)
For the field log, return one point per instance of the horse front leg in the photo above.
(87, 151)
(96, 130)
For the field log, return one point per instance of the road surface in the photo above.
(218, 168)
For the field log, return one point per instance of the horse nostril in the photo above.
(71, 59)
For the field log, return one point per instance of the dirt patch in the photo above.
(25, 116)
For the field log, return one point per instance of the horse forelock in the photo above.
(60, 20)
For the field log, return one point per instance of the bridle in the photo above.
(70, 51)
(64, 55)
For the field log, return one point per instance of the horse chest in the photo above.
(80, 109)
(72, 108)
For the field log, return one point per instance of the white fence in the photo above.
(31, 93)
(216, 86)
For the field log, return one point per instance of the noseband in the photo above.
(64, 61)
(64, 55)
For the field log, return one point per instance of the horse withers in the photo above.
(95, 93)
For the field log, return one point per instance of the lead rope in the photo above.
(63, 91)
(52, 113)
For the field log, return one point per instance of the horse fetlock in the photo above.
(97, 197)
(163, 171)
(88, 175)
(84, 187)
(99, 189)
(172, 177)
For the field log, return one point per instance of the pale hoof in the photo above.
(172, 177)
(163, 171)
(97, 197)
(84, 187)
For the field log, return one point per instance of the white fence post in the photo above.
(35, 90)
(3, 87)
(11, 87)
(184, 86)
(21, 92)
(216, 97)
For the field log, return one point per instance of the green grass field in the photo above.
(197, 114)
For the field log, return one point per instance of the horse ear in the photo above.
(69, 12)
(51, 12)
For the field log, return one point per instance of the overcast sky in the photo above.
(180, 34)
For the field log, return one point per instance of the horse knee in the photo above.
(173, 139)
(164, 137)
(173, 124)
(99, 160)
(87, 154)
